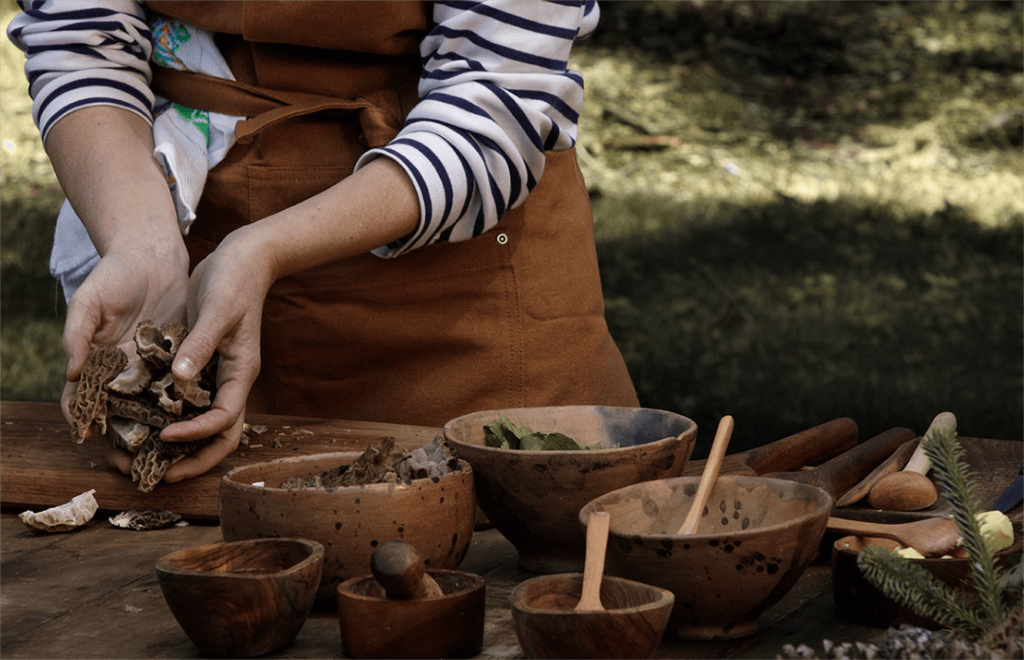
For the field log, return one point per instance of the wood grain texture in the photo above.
(808, 447)
(447, 626)
(242, 599)
(548, 626)
(841, 473)
(110, 586)
(41, 467)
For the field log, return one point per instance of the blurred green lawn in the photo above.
(803, 211)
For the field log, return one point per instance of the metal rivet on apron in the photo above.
(502, 238)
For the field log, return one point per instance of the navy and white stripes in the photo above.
(495, 94)
(82, 54)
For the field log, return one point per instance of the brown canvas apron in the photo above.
(511, 318)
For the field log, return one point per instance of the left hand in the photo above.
(225, 306)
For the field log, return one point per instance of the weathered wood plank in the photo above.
(40, 466)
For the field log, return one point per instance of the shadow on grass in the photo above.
(789, 314)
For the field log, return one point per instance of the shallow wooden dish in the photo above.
(630, 626)
(449, 626)
(751, 546)
(242, 599)
(860, 601)
(351, 522)
(534, 497)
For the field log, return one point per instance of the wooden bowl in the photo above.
(630, 626)
(534, 497)
(752, 544)
(449, 626)
(437, 517)
(242, 599)
(860, 601)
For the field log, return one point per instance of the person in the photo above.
(362, 210)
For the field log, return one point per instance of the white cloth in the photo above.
(188, 143)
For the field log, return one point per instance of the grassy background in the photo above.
(803, 211)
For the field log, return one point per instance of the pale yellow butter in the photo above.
(996, 530)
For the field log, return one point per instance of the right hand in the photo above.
(126, 287)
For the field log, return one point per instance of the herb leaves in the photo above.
(503, 434)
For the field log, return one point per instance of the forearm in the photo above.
(375, 205)
(103, 158)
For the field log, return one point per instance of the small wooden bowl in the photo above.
(860, 601)
(630, 626)
(450, 626)
(242, 599)
(533, 497)
(756, 537)
(437, 517)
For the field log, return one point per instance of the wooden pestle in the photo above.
(401, 571)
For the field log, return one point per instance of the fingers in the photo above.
(195, 351)
(207, 457)
(79, 327)
(121, 460)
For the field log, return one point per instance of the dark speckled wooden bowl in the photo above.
(437, 517)
(752, 544)
(534, 497)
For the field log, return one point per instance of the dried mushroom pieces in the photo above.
(145, 520)
(89, 407)
(65, 517)
(386, 462)
(132, 400)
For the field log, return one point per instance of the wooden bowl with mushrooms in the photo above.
(437, 515)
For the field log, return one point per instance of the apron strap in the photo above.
(379, 112)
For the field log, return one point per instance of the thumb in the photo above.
(196, 350)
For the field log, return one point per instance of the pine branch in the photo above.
(914, 587)
(955, 483)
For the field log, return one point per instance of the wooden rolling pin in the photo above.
(807, 447)
(846, 470)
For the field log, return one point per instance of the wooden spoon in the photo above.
(710, 476)
(893, 464)
(400, 569)
(910, 489)
(930, 536)
(593, 564)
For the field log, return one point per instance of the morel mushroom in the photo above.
(132, 401)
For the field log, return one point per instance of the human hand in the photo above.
(225, 307)
(126, 286)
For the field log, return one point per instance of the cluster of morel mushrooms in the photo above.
(132, 400)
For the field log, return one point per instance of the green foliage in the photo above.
(914, 587)
(503, 434)
(956, 485)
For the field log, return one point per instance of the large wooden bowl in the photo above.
(534, 497)
(450, 626)
(755, 539)
(437, 517)
(242, 599)
(630, 626)
(858, 600)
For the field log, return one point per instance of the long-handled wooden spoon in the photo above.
(707, 480)
(593, 563)
(930, 536)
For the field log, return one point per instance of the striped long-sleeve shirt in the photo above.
(495, 94)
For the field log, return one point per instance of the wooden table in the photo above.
(93, 593)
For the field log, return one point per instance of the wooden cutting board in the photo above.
(40, 466)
